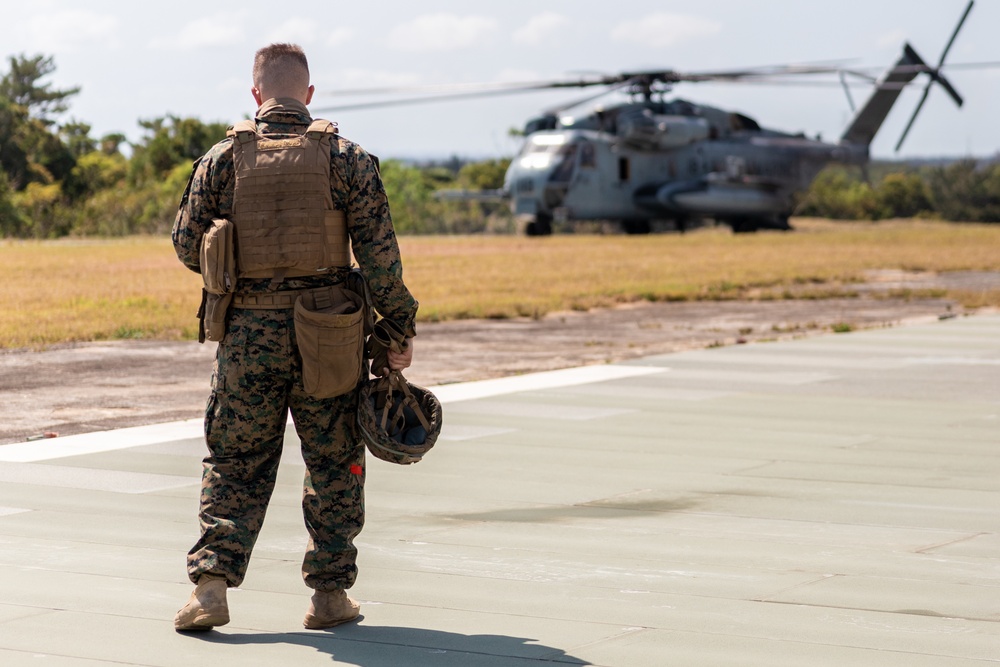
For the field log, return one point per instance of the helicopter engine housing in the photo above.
(643, 129)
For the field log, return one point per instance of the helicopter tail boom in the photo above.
(869, 118)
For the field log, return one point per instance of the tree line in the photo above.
(57, 180)
(962, 191)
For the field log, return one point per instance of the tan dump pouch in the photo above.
(218, 259)
(329, 332)
(213, 316)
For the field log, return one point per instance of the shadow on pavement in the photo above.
(372, 646)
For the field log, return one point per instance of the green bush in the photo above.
(964, 191)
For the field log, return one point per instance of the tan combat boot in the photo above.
(330, 608)
(207, 607)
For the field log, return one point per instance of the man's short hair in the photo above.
(281, 69)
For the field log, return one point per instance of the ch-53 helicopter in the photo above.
(657, 159)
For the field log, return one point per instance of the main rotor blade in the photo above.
(458, 88)
(425, 100)
(776, 75)
(436, 88)
(569, 105)
(661, 76)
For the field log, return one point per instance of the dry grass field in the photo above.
(77, 290)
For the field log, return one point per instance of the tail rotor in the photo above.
(935, 76)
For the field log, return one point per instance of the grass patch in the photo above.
(987, 298)
(73, 290)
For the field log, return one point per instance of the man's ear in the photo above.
(309, 94)
(256, 96)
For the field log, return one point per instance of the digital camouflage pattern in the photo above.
(257, 378)
(258, 374)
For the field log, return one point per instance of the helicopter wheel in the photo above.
(636, 226)
(540, 226)
(743, 225)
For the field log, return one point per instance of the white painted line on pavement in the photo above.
(567, 377)
(138, 436)
(100, 441)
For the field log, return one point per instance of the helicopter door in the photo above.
(624, 169)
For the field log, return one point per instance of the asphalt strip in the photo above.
(139, 436)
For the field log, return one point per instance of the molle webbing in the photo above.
(283, 299)
(283, 207)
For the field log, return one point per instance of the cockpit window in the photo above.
(540, 148)
(543, 143)
(564, 172)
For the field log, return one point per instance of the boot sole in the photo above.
(313, 624)
(203, 622)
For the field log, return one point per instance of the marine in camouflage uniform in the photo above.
(257, 376)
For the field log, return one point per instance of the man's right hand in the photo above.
(400, 360)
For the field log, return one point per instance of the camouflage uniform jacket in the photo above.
(357, 189)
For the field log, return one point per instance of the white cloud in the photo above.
(540, 28)
(662, 30)
(67, 30)
(441, 32)
(296, 31)
(203, 33)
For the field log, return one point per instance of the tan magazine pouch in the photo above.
(329, 332)
(218, 258)
(212, 316)
(216, 311)
(218, 272)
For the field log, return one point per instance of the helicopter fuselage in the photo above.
(635, 165)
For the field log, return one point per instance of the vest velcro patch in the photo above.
(277, 144)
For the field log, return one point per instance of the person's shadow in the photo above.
(373, 646)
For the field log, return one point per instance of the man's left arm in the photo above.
(373, 241)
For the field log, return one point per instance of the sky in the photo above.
(140, 60)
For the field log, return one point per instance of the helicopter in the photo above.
(657, 159)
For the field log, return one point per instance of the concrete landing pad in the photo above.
(824, 502)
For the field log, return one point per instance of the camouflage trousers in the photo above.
(257, 379)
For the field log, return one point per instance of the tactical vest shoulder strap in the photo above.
(244, 131)
(319, 127)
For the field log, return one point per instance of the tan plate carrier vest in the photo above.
(283, 212)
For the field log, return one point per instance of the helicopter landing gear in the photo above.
(540, 226)
(743, 225)
(636, 226)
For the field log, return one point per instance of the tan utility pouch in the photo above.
(329, 332)
(218, 258)
(213, 316)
